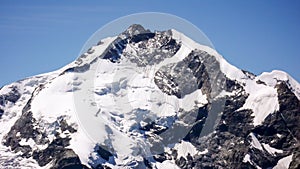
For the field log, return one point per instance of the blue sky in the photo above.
(42, 36)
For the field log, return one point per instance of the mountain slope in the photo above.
(150, 100)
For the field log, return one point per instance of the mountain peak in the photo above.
(150, 100)
(135, 29)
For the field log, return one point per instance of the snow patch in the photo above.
(272, 78)
(271, 150)
(284, 163)
(184, 148)
(203, 152)
(262, 100)
(246, 159)
(255, 143)
(167, 164)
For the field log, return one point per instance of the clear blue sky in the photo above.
(41, 36)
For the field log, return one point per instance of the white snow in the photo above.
(271, 150)
(255, 143)
(284, 163)
(29, 142)
(167, 164)
(82, 145)
(203, 152)
(247, 158)
(262, 100)
(188, 102)
(184, 148)
(57, 99)
(271, 79)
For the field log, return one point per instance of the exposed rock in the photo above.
(249, 74)
(11, 96)
(67, 159)
(103, 152)
(26, 127)
(1, 112)
(289, 109)
(77, 69)
(134, 29)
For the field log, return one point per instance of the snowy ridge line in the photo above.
(229, 70)
(273, 77)
(257, 92)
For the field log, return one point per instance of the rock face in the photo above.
(27, 128)
(158, 100)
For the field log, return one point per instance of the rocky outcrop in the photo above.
(27, 128)
(11, 97)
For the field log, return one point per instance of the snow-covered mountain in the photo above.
(151, 100)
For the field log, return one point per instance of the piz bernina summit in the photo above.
(147, 99)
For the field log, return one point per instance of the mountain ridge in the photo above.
(176, 71)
